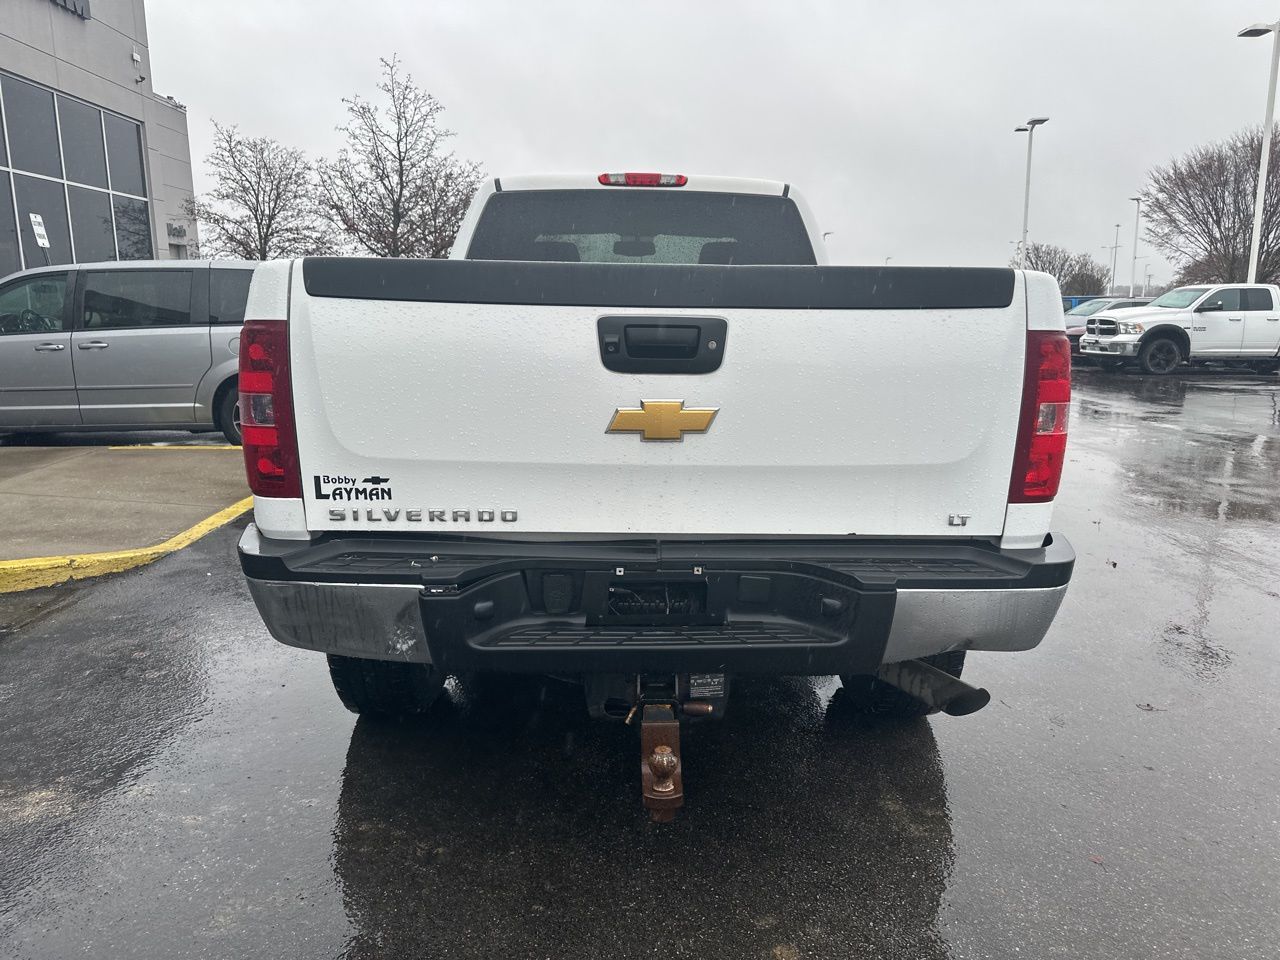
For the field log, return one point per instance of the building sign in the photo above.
(79, 7)
(37, 227)
(176, 231)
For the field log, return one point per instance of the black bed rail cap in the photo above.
(659, 285)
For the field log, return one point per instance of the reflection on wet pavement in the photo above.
(175, 784)
(773, 857)
(1207, 446)
(1204, 451)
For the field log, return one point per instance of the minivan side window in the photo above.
(121, 299)
(228, 295)
(34, 304)
(1259, 298)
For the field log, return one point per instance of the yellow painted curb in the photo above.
(28, 574)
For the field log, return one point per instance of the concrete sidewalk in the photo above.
(61, 501)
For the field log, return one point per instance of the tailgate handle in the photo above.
(656, 340)
(661, 344)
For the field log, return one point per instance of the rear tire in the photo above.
(1160, 356)
(388, 688)
(864, 693)
(229, 417)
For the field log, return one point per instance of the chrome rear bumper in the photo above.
(385, 620)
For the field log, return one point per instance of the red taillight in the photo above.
(642, 179)
(266, 410)
(1042, 427)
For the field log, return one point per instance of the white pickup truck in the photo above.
(639, 436)
(1233, 323)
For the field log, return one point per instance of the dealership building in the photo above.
(88, 147)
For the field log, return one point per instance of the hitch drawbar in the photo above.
(661, 703)
(939, 689)
(661, 775)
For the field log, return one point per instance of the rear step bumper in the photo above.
(787, 606)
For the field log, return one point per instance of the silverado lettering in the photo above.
(433, 516)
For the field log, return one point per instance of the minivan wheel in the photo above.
(229, 416)
(1160, 356)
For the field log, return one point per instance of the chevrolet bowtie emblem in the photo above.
(662, 420)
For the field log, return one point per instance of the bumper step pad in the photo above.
(736, 634)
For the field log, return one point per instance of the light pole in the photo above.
(1146, 281)
(1113, 247)
(1133, 267)
(1144, 258)
(1029, 128)
(1261, 30)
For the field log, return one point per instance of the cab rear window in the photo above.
(640, 226)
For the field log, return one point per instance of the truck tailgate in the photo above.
(868, 408)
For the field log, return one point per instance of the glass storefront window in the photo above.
(82, 147)
(33, 131)
(90, 192)
(133, 229)
(124, 152)
(10, 260)
(91, 226)
(46, 198)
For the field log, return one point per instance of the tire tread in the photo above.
(1144, 355)
(384, 687)
(226, 423)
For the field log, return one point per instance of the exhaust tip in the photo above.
(938, 689)
(971, 701)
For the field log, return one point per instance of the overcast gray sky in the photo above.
(895, 120)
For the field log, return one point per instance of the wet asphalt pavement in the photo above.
(173, 783)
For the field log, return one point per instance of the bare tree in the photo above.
(1047, 258)
(1086, 275)
(394, 189)
(1199, 211)
(1076, 273)
(262, 206)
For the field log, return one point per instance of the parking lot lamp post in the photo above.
(1029, 128)
(1115, 254)
(1113, 247)
(1133, 267)
(1143, 261)
(1261, 30)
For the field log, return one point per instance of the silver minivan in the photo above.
(137, 345)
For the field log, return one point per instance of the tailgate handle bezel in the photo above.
(651, 344)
